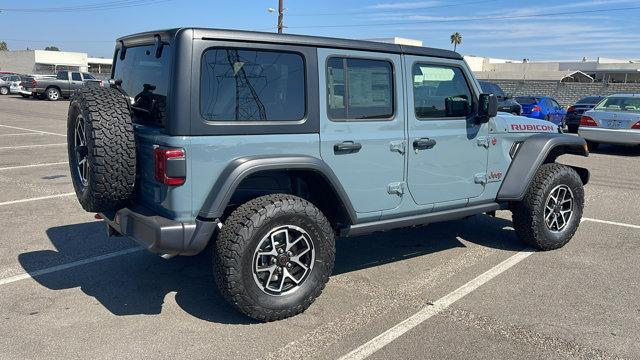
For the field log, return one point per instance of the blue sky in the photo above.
(485, 27)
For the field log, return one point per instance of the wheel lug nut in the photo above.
(280, 251)
(289, 254)
(288, 264)
(273, 260)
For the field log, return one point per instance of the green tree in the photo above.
(456, 39)
(52, 48)
(3, 46)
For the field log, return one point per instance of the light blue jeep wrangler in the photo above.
(267, 147)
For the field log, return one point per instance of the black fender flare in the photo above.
(220, 195)
(532, 153)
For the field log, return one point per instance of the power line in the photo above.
(506, 17)
(360, 12)
(110, 5)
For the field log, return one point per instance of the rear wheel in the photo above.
(4, 90)
(550, 212)
(273, 256)
(102, 149)
(53, 94)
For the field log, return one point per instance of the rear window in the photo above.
(590, 100)
(140, 66)
(619, 103)
(526, 100)
(252, 85)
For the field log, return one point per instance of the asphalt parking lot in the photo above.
(462, 289)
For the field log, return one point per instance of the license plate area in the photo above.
(615, 124)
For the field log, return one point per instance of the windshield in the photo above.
(145, 79)
(619, 103)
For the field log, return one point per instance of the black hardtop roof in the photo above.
(301, 40)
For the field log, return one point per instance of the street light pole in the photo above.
(280, 16)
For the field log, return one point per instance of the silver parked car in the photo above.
(8, 82)
(615, 120)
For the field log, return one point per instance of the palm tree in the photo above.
(456, 39)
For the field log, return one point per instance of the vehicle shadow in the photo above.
(618, 150)
(139, 282)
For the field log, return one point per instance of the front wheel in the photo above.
(273, 256)
(550, 212)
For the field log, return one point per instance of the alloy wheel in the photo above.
(558, 208)
(283, 260)
(81, 152)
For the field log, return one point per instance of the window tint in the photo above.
(554, 103)
(88, 76)
(367, 86)
(620, 104)
(590, 100)
(63, 75)
(525, 100)
(252, 85)
(76, 76)
(440, 92)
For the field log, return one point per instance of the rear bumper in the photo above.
(159, 234)
(610, 136)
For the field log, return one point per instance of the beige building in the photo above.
(600, 70)
(48, 62)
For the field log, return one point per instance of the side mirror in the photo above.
(487, 108)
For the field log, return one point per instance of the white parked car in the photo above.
(615, 120)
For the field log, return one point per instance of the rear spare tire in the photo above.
(102, 149)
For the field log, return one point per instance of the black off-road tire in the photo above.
(233, 255)
(110, 148)
(528, 214)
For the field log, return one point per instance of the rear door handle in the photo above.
(347, 147)
(423, 143)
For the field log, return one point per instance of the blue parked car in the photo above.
(544, 108)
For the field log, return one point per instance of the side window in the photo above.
(76, 76)
(554, 104)
(252, 85)
(440, 91)
(87, 76)
(359, 89)
(63, 75)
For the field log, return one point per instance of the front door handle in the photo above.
(423, 143)
(347, 147)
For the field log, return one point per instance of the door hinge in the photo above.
(396, 188)
(480, 179)
(399, 146)
(483, 141)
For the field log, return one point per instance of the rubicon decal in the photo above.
(532, 128)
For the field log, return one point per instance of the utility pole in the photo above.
(280, 16)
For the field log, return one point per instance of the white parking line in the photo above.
(32, 165)
(36, 199)
(35, 131)
(30, 146)
(70, 265)
(18, 134)
(427, 312)
(612, 223)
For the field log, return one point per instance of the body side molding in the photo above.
(531, 154)
(240, 168)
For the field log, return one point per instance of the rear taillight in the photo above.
(34, 83)
(170, 166)
(587, 121)
(636, 125)
(536, 108)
